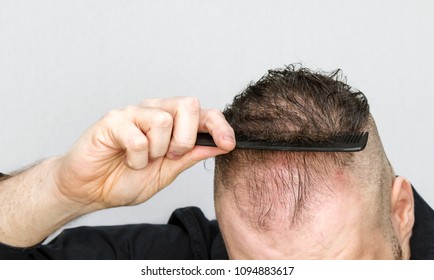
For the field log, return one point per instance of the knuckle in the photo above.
(138, 144)
(130, 110)
(182, 145)
(121, 115)
(149, 102)
(192, 103)
(113, 115)
(164, 120)
(212, 117)
(157, 154)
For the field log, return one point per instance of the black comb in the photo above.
(351, 142)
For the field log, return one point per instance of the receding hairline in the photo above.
(292, 187)
(371, 172)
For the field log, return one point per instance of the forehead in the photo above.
(338, 225)
(269, 188)
(286, 196)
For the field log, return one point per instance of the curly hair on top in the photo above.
(293, 103)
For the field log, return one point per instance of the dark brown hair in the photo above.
(292, 103)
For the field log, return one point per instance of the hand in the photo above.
(131, 154)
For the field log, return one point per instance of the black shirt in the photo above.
(187, 235)
(422, 239)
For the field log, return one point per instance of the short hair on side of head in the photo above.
(292, 103)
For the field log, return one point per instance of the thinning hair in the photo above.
(293, 103)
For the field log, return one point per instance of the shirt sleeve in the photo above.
(172, 241)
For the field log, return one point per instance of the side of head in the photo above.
(309, 205)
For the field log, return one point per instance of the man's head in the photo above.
(309, 205)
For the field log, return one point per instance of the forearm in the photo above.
(31, 207)
(123, 159)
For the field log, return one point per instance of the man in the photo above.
(269, 204)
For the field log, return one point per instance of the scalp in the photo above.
(271, 188)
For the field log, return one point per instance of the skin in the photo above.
(131, 154)
(124, 159)
(339, 228)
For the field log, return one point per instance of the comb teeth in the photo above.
(349, 138)
(349, 142)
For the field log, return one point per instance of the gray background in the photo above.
(63, 64)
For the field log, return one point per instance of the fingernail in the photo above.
(174, 155)
(229, 138)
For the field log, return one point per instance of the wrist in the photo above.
(70, 206)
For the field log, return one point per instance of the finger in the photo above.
(130, 138)
(196, 155)
(143, 133)
(185, 127)
(186, 114)
(157, 126)
(214, 122)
